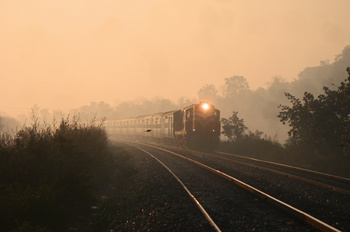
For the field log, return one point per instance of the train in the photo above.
(195, 126)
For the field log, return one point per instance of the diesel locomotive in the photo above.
(196, 126)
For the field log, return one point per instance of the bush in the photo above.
(254, 146)
(49, 174)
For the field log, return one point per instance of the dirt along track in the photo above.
(332, 207)
(152, 202)
(232, 208)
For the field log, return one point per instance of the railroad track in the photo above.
(324, 180)
(322, 195)
(230, 206)
(332, 182)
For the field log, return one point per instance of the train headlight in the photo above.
(205, 106)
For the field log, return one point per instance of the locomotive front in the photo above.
(202, 125)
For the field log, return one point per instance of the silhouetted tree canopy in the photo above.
(233, 128)
(320, 124)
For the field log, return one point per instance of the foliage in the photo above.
(50, 174)
(235, 85)
(233, 128)
(256, 144)
(320, 124)
(208, 93)
(259, 106)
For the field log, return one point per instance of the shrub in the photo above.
(49, 174)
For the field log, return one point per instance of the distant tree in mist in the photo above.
(235, 85)
(8, 124)
(143, 107)
(259, 107)
(312, 79)
(320, 124)
(128, 109)
(94, 110)
(208, 93)
(182, 102)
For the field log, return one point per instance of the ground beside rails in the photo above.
(226, 208)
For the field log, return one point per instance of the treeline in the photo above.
(8, 124)
(319, 135)
(242, 141)
(51, 175)
(258, 107)
(322, 124)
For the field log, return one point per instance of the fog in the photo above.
(258, 108)
(118, 59)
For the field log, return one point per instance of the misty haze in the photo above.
(275, 75)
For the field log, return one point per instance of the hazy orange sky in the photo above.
(65, 54)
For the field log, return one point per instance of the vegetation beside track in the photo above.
(319, 135)
(266, 149)
(51, 176)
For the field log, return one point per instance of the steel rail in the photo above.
(294, 211)
(290, 166)
(206, 215)
(316, 183)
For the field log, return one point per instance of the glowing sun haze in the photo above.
(64, 54)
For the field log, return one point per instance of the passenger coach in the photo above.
(194, 126)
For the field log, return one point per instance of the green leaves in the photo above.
(50, 174)
(320, 124)
(233, 127)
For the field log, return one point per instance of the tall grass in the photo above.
(50, 173)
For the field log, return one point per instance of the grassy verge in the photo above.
(51, 176)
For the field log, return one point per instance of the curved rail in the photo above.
(206, 215)
(290, 167)
(290, 209)
(288, 175)
(316, 183)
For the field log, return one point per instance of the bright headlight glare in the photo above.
(205, 106)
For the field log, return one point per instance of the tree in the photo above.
(235, 85)
(233, 128)
(320, 124)
(208, 93)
